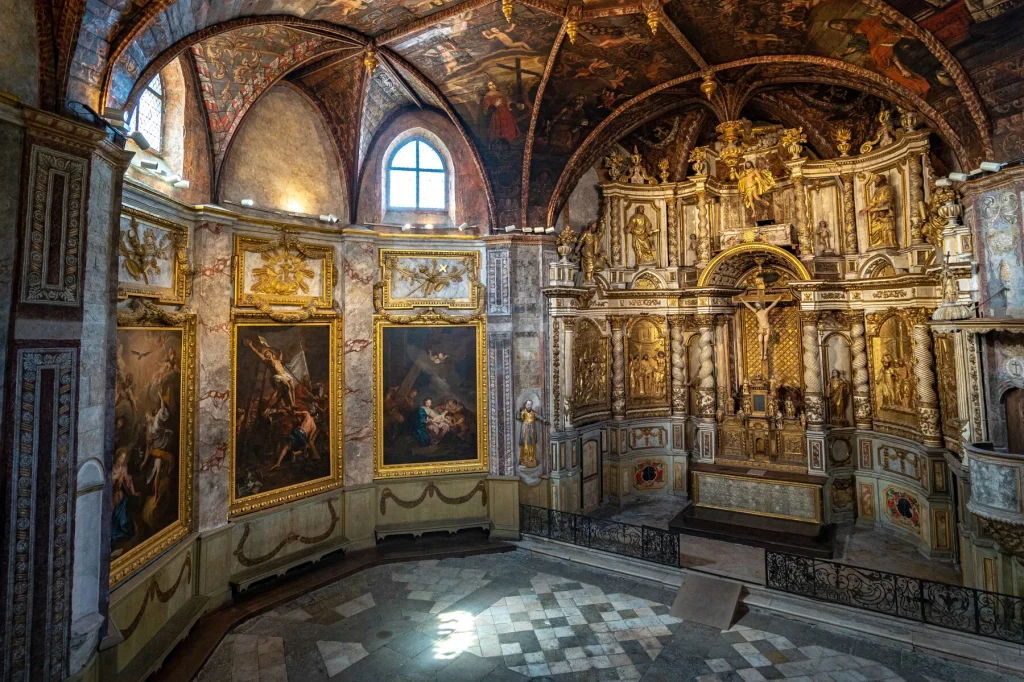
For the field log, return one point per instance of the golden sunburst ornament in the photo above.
(283, 273)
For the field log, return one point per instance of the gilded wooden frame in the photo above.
(334, 322)
(288, 245)
(480, 464)
(136, 558)
(181, 278)
(389, 260)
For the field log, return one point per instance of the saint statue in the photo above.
(588, 246)
(824, 237)
(764, 325)
(838, 397)
(881, 217)
(643, 233)
(528, 436)
(754, 183)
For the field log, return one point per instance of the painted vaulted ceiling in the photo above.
(542, 93)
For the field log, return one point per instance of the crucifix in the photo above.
(760, 304)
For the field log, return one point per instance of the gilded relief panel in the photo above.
(152, 258)
(945, 371)
(589, 368)
(430, 278)
(647, 363)
(893, 382)
(282, 272)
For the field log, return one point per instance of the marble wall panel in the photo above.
(359, 271)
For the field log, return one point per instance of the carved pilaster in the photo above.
(849, 215)
(703, 230)
(618, 323)
(680, 404)
(812, 368)
(707, 399)
(616, 226)
(927, 399)
(673, 233)
(859, 360)
(915, 199)
(567, 353)
(805, 248)
(556, 372)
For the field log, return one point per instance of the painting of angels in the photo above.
(431, 409)
(282, 407)
(150, 507)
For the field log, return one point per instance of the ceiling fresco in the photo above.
(815, 63)
(236, 67)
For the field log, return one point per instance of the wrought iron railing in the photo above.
(640, 542)
(999, 616)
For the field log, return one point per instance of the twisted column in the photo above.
(703, 230)
(859, 362)
(927, 399)
(618, 323)
(679, 370)
(673, 236)
(805, 248)
(812, 369)
(616, 222)
(916, 197)
(849, 214)
(707, 398)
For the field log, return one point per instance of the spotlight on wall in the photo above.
(428, 226)
(136, 137)
(248, 203)
(959, 177)
(149, 165)
(329, 218)
(550, 230)
(182, 184)
(405, 227)
(462, 227)
(943, 182)
(991, 166)
(510, 228)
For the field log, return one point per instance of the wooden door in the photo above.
(591, 482)
(1015, 420)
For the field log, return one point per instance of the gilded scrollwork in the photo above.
(414, 278)
(153, 258)
(284, 271)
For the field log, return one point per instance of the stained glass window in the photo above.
(148, 117)
(416, 178)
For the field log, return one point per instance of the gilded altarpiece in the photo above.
(893, 383)
(647, 368)
(590, 377)
(945, 370)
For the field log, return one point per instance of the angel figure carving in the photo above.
(142, 256)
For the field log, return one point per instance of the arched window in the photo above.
(148, 117)
(416, 178)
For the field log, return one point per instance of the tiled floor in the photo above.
(516, 616)
(865, 547)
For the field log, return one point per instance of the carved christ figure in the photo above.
(643, 233)
(764, 326)
(753, 184)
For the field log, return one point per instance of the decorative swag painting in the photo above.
(431, 397)
(286, 407)
(151, 501)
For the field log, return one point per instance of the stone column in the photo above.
(812, 368)
(859, 361)
(703, 230)
(680, 404)
(849, 215)
(616, 228)
(58, 315)
(618, 323)
(915, 176)
(707, 401)
(927, 399)
(672, 226)
(805, 249)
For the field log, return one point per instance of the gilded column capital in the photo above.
(569, 322)
(704, 320)
(618, 322)
(677, 321)
(809, 317)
